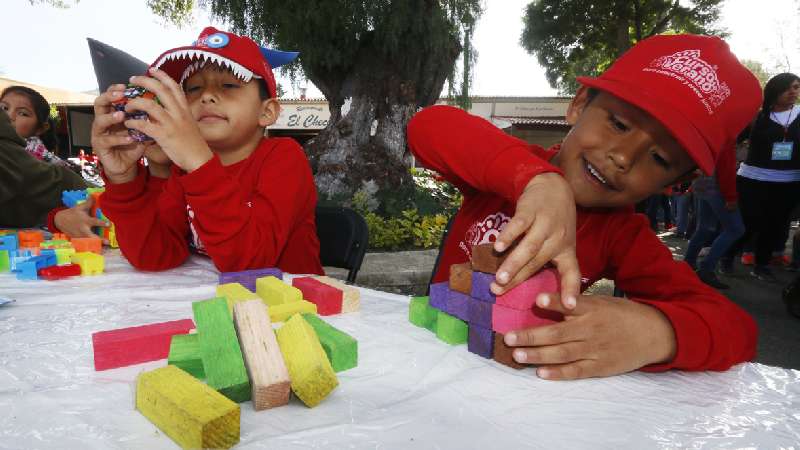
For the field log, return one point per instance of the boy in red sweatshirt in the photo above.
(220, 184)
(665, 108)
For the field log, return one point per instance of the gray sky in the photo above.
(47, 46)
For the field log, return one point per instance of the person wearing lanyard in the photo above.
(768, 181)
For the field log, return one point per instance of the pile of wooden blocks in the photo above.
(238, 353)
(73, 198)
(27, 254)
(464, 310)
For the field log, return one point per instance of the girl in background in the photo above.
(29, 112)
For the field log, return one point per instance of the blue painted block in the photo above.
(247, 278)
(481, 341)
(72, 198)
(18, 257)
(438, 295)
(480, 286)
(458, 304)
(26, 270)
(480, 313)
(9, 242)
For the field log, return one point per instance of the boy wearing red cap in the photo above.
(218, 182)
(665, 108)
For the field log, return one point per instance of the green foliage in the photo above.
(177, 12)
(575, 37)
(409, 230)
(758, 70)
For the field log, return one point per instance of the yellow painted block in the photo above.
(91, 263)
(311, 373)
(275, 292)
(112, 236)
(235, 293)
(191, 413)
(64, 255)
(282, 312)
(351, 299)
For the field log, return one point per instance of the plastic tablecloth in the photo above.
(409, 390)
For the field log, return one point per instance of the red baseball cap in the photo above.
(240, 54)
(691, 84)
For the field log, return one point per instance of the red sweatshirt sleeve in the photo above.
(473, 154)
(712, 332)
(51, 219)
(726, 173)
(244, 226)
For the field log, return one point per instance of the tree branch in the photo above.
(661, 25)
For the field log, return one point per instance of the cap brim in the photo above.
(678, 125)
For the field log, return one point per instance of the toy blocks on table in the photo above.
(59, 237)
(219, 347)
(479, 313)
(91, 263)
(481, 341)
(189, 412)
(30, 238)
(438, 295)
(504, 354)
(283, 312)
(134, 345)
(351, 296)
(327, 298)
(17, 257)
(461, 278)
(458, 305)
(29, 269)
(64, 255)
(505, 319)
(451, 329)
(311, 372)
(340, 347)
(269, 377)
(184, 352)
(5, 261)
(275, 292)
(486, 259)
(247, 278)
(53, 244)
(523, 296)
(88, 244)
(421, 314)
(481, 286)
(235, 293)
(72, 198)
(9, 242)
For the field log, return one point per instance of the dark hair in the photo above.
(42, 110)
(776, 86)
(263, 92)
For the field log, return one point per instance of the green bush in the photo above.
(408, 231)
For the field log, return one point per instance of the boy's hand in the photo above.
(171, 123)
(117, 151)
(76, 221)
(602, 336)
(545, 215)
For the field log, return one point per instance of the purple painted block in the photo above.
(481, 341)
(438, 296)
(480, 313)
(480, 286)
(458, 304)
(247, 278)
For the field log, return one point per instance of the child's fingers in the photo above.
(145, 126)
(102, 103)
(165, 96)
(95, 222)
(585, 368)
(552, 354)
(522, 254)
(570, 277)
(102, 122)
(153, 109)
(515, 228)
(170, 84)
(556, 333)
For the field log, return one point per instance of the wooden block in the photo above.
(481, 283)
(505, 319)
(247, 278)
(421, 314)
(90, 244)
(91, 263)
(184, 352)
(134, 345)
(461, 278)
(281, 313)
(64, 256)
(523, 296)
(485, 259)
(275, 292)
(458, 305)
(269, 377)
(219, 348)
(327, 298)
(503, 353)
(311, 373)
(451, 329)
(5, 261)
(58, 272)
(438, 295)
(189, 412)
(340, 347)
(235, 293)
(481, 341)
(351, 299)
(479, 313)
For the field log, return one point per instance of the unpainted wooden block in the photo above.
(235, 293)
(486, 259)
(461, 278)
(351, 299)
(505, 319)
(523, 296)
(341, 348)
(275, 292)
(504, 354)
(451, 329)
(184, 353)
(312, 375)
(327, 298)
(421, 314)
(189, 412)
(282, 313)
(134, 345)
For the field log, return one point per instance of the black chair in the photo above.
(439, 253)
(343, 238)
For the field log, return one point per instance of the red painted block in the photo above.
(505, 319)
(94, 245)
(327, 298)
(59, 272)
(134, 345)
(523, 296)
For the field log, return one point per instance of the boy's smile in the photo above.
(616, 154)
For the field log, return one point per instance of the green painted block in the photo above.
(220, 351)
(451, 329)
(184, 352)
(5, 262)
(340, 347)
(421, 314)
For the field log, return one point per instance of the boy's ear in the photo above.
(270, 110)
(577, 105)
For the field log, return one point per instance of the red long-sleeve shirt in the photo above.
(491, 169)
(726, 173)
(259, 212)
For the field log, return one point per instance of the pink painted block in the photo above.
(134, 345)
(505, 319)
(523, 296)
(327, 298)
